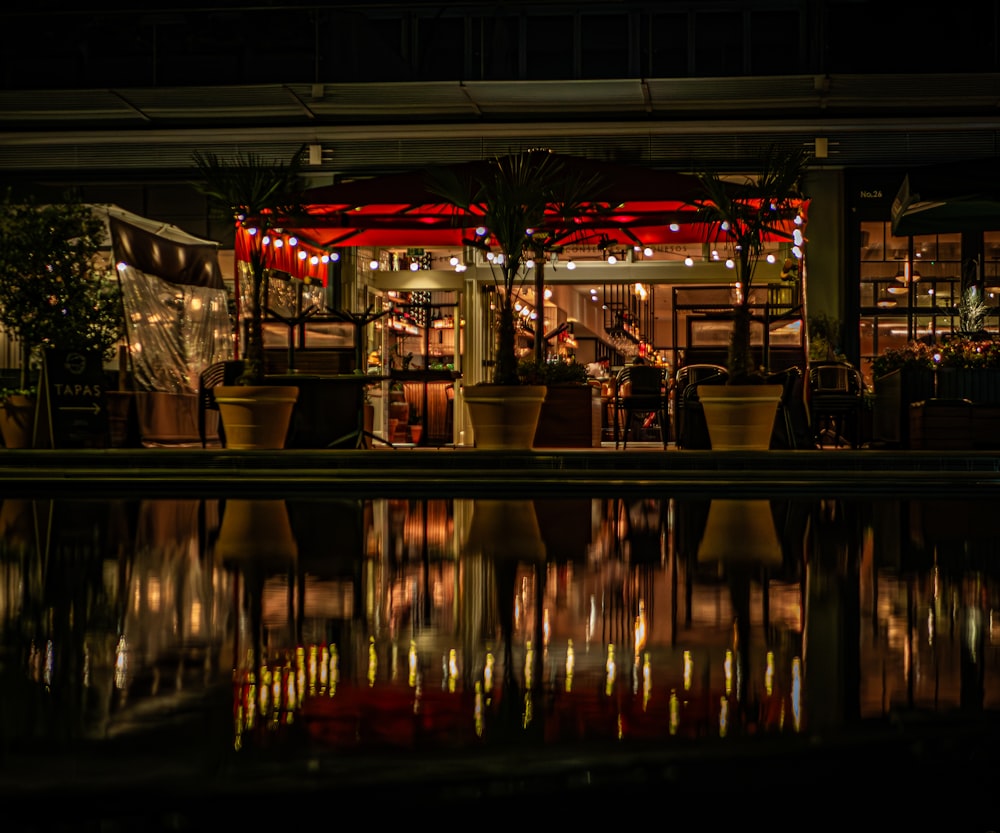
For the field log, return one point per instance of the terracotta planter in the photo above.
(740, 417)
(17, 420)
(256, 416)
(504, 416)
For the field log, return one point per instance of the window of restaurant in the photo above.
(910, 287)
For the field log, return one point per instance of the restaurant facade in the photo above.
(375, 93)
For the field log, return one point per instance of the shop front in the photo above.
(607, 295)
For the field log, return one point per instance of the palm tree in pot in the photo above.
(258, 195)
(745, 216)
(529, 204)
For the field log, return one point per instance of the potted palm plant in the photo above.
(57, 292)
(527, 203)
(743, 217)
(256, 194)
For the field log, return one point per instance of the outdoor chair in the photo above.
(220, 373)
(691, 430)
(836, 397)
(640, 391)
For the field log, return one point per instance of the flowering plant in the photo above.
(969, 353)
(914, 354)
(961, 352)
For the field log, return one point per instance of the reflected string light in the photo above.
(797, 693)
(570, 664)
(688, 670)
(647, 682)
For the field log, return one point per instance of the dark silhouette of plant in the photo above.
(57, 291)
(529, 204)
(258, 195)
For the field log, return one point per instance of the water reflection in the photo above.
(463, 624)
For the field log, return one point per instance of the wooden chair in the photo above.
(689, 419)
(640, 390)
(836, 397)
(220, 373)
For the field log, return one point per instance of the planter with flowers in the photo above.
(571, 413)
(960, 369)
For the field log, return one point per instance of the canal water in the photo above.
(162, 653)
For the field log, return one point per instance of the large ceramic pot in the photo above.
(256, 416)
(17, 420)
(740, 417)
(504, 416)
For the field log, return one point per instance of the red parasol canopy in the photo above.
(643, 206)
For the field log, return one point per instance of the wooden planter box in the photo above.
(570, 418)
(941, 424)
(894, 393)
(981, 386)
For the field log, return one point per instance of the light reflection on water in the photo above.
(458, 623)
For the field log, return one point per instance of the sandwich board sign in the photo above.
(72, 407)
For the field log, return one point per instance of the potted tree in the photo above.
(57, 292)
(528, 203)
(256, 194)
(743, 216)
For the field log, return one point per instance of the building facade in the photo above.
(112, 104)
